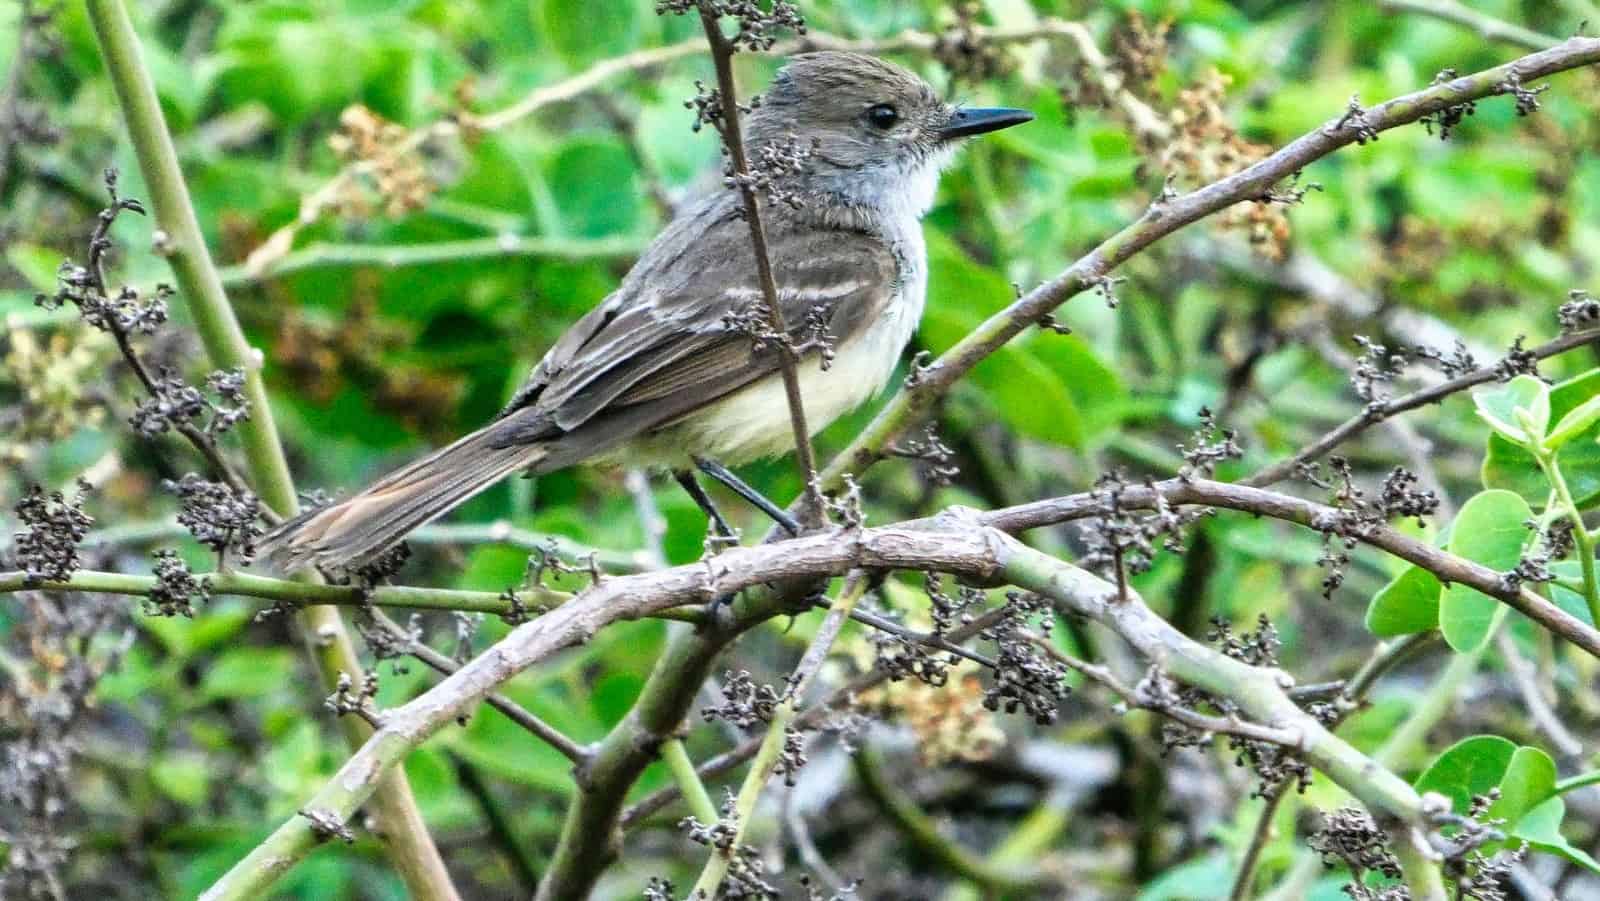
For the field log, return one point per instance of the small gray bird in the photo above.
(660, 374)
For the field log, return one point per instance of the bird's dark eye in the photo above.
(882, 116)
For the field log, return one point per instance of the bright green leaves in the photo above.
(1572, 429)
(1488, 530)
(1408, 604)
(1518, 412)
(1525, 778)
(1573, 424)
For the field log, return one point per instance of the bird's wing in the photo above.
(667, 330)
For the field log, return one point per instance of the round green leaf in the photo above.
(1488, 530)
(1505, 465)
(1471, 766)
(1406, 605)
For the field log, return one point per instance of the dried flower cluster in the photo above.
(1205, 147)
(218, 516)
(1580, 311)
(176, 588)
(757, 28)
(1211, 445)
(1349, 836)
(745, 703)
(1122, 540)
(1024, 677)
(47, 547)
(390, 157)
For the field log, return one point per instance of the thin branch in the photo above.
(398, 256)
(1167, 215)
(728, 127)
(297, 593)
(772, 744)
(406, 840)
(1488, 27)
(502, 532)
(513, 711)
(1432, 394)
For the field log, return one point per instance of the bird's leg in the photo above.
(721, 473)
(718, 525)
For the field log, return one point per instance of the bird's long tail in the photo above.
(352, 532)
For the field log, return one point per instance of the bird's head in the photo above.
(867, 117)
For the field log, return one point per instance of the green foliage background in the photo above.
(211, 731)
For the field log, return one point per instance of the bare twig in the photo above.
(728, 127)
(1432, 394)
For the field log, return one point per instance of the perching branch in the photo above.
(955, 544)
(405, 836)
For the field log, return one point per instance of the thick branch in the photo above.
(958, 544)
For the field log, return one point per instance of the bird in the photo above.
(661, 374)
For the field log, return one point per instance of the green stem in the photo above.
(1577, 782)
(683, 773)
(766, 759)
(390, 256)
(405, 836)
(1580, 531)
(302, 593)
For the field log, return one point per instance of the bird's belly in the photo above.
(754, 422)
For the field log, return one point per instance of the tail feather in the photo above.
(352, 532)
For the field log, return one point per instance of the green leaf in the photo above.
(1541, 828)
(1488, 530)
(1505, 465)
(1574, 423)
(248, 673)
(1406, 605)
(1530, 778)
(1499, 408)
(183, 777)
(583, 31)
(1471, 766)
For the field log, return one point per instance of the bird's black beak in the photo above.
(966, 122)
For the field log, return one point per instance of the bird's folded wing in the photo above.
(674, 333)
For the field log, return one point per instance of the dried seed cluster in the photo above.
(46, 550)
(218, 516)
